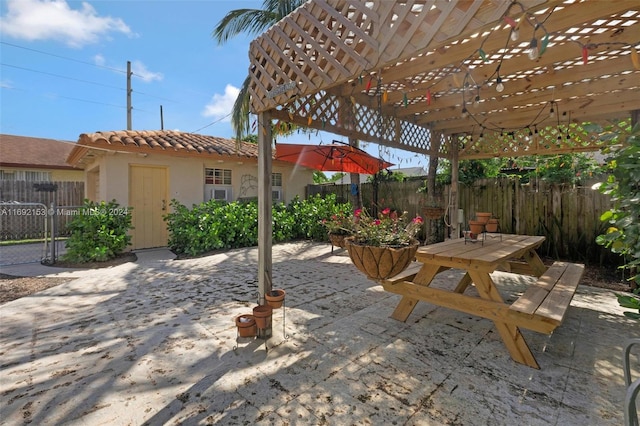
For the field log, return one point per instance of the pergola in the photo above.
(457, 79)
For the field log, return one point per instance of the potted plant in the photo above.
(262, 316)
(339, 226)
(433, 211)
(275, 298)
(383, 246)
(492, 225)
(246, 324)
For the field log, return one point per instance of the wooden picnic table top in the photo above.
(487, 254)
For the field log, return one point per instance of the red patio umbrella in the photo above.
(331, 158)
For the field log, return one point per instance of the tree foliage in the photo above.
(623, 185)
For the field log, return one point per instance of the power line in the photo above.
(61, 76)
(81, 62)
(212, 123)
(63, 57)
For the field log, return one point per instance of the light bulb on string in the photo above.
(515, 34)
(465, 113)
(533, 49)
(499, 85)
(476, 101)
(551, 111)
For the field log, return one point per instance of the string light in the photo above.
(499, 85)
(533, 48)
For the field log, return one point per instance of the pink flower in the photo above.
(357, 213)
(377, 222)
(417, 220)
(386, 211)
(394, 215)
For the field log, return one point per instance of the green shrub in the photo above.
(214, 225)
(623, 184)
(98, 233)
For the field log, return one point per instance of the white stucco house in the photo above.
(145, 170)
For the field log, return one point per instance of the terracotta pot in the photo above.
(246, 324)
(492, 225)
(337, 240)
(379, 263)
(262, 315)
(483, 217)
(476, 227)
(275, 298)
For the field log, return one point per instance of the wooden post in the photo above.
(265, 227)
(453, 199)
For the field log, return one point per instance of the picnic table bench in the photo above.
(541, 307)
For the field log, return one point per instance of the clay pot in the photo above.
(275, 298)
(492, 225)
(262, 315)
(483, 217)
(246, 325)
(476, 227)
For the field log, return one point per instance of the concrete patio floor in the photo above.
(152, 343)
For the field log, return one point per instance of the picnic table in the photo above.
(541, 307)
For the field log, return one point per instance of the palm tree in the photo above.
(252, 22)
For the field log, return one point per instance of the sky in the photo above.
(63, 69)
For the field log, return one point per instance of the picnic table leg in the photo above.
(511, 335)
(535, 263)
(423, 277)
(463, 284)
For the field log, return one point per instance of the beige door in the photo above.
(148, 198)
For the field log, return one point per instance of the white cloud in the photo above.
(55, 19)
(222, 105)
(140, 70)
(6, 84)
(99, 60)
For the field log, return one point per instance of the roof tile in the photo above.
(168, 141)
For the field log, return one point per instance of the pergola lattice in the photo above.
(423, 75)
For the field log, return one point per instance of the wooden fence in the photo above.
(569, 217)
(23, 219)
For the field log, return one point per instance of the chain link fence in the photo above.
(33, 232)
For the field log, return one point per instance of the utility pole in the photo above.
(129, 107)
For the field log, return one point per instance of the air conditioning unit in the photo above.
(276, 194)
(220, 194)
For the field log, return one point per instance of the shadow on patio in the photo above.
(152, 343)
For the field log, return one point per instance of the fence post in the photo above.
(53, 231)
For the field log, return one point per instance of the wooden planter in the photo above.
(275, 298)
(379, 263)
(246, 325)
(262, 315)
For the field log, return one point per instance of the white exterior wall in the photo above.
(186, 177)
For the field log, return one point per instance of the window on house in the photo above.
(276, 179)
(217, 176)
(276, 185)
